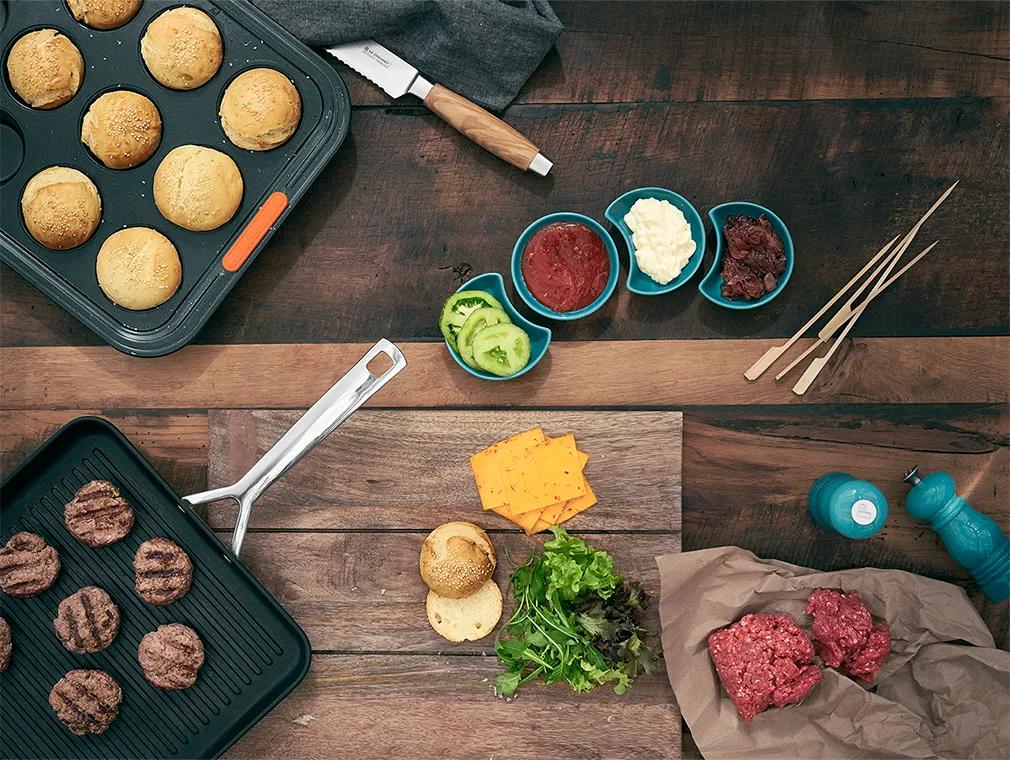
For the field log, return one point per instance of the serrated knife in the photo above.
(396, 78)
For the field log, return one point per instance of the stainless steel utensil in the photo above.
(335, 406)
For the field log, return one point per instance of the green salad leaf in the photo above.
(575, 620)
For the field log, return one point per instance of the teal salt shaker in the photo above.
(840, 502)
(973, 540)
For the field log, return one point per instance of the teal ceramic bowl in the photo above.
(711, 284)
(540, 337)
(638, 281)
(517, 272)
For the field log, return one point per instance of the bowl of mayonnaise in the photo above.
(664, 235)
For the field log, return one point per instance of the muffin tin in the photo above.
(212, 262)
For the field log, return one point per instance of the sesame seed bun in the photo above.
(197, 188)
(260, 109)
(182, 48)
(122, 129)
(457, 559)
(45, 68)
(138, 268)
(104, 14)
(61, 207)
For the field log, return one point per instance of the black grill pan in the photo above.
(255, 653)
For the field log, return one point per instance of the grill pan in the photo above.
(212, 262)
(255, 653)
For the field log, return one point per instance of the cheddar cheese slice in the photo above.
(486, 469)
(542, 475)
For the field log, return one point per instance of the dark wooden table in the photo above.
(848, 119)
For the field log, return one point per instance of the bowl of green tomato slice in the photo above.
(486, 335)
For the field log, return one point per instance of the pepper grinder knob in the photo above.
(912, 476)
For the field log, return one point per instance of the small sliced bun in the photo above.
(466, 619)
(457, 558)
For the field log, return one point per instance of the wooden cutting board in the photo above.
(337, 541)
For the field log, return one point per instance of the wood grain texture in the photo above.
(381, 706)
(484, 128)
(175, 441)
(370, 249)
(747, 473)
(639, 52)
(361, 592)
(410, 469)
(573, 374)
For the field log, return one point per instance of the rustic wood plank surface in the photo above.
(381, 706)
(847, 118)
(410, 469)
(869, 169)
(599, 373)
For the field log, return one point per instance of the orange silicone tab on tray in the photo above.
(254, 232)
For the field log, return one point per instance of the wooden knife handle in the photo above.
(484, 128)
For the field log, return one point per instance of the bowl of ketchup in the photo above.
(565, 266)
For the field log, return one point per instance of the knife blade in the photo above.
(397, 78)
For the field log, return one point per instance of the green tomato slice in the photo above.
(458, 307)
(501, 350)
(476, 322)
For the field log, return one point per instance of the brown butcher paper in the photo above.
(944, 691)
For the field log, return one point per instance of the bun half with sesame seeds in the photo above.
(457, 558)
(467, 619)
(61, 207)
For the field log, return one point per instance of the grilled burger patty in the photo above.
(87, 621)
(171, 656)
(5, 644)
(87, 701)
(164, 571)
(98, 515)
(27, 565)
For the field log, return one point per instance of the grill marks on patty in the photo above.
(98, 515)
(27, 565)
(87, 621)
(171, 656)
(164, 571)
(87, 701)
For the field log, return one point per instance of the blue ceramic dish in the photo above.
(638, 281)
(711, 284)
(517, 273)
(540, 337)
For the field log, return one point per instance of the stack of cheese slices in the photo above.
(533, 480)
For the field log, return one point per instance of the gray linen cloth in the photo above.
(483, 49)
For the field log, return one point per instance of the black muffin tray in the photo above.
(212, 262)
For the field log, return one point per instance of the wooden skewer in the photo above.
(772, 354)
(808, 377)
(845, 314)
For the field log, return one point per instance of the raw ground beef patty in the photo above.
(763, 660)
(845, 634)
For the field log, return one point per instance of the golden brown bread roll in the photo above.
(468, 619)
(45, 68)
(260, 109)
(197, 188)
(138, 268)
(457, 558)
(182, 48)
(104, 14)
(61, 207)
(122, 129)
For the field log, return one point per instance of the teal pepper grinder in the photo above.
(840, 502)
(972, 539)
